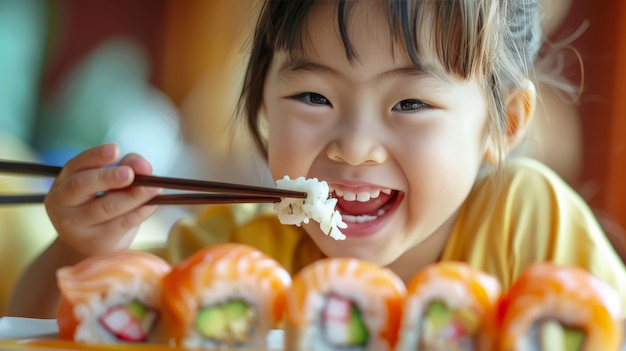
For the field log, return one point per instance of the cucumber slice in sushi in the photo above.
(556, 337)
(132, 322)
(211, 323)
(574, 339)
(357, 331)
(343, 323)
(230, 323)
(439, 315)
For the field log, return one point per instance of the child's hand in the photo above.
(92, 224)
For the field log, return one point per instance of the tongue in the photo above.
(356, 208)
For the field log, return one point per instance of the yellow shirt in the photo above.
(534, 217)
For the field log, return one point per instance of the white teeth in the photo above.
(349, 196)
(364, 196)
(358, 219)
(362, 218)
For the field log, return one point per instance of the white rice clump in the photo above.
(317, 206)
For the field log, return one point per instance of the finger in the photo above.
(76, 189)
(114, 204)
(137, 163)
(95, 242)
(127, 223)
(96, 157)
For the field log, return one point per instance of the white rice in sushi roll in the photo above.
(317, 206)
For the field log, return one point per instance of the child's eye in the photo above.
(313, 99)
(410, 105)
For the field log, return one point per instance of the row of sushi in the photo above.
(232, 295)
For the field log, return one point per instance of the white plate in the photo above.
(27, 328)
(30, 328)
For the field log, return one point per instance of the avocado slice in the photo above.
(357, 330)
(228, 321)
(235, 309)
(211, 322)
(574, 339)
(438, 315)
(137, 310)
(557, 337)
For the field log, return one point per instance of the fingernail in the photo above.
(122, 173)
(109, 150)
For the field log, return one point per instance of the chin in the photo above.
(369, 249)
(355, 249)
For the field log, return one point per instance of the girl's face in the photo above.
(400, 146)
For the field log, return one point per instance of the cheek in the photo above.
(291, 147)
(282, 153)
(445, 161)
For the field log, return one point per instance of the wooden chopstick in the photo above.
(169, 199)
(164, 182)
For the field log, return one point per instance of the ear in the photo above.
(519, 109)
(262, 107)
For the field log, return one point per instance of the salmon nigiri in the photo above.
(111, 298)
(344, 304)
(228, 295)
(558, 308)
(448, 307)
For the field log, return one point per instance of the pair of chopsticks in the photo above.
(212, 192)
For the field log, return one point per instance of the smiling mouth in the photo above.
(365, 206)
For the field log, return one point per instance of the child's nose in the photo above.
(357, 146)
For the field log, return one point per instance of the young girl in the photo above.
(407, 109)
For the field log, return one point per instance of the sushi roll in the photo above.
(448, 306)
(343, 304)
(559, 308)
(224, 296)
(111, 298)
